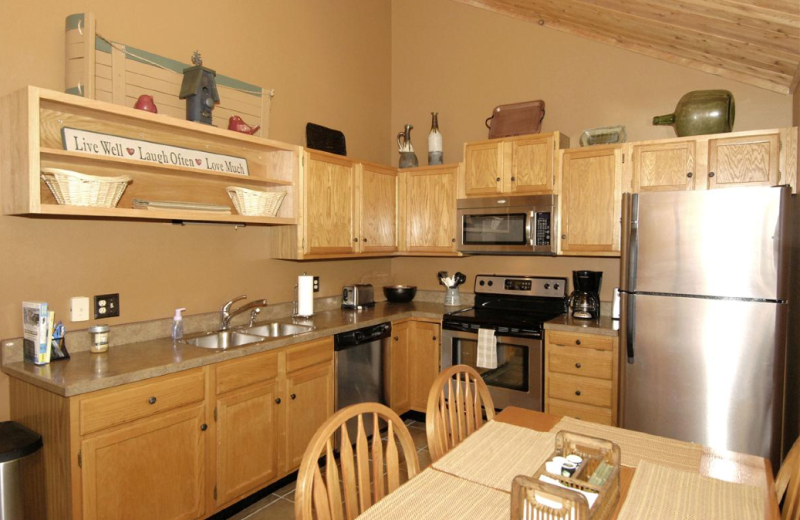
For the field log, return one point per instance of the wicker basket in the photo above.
(255, 203)
(78, 189)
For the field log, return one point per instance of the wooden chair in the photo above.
(363, 481)
(456, 405)
(788, 484)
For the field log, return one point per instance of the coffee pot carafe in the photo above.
(585, 298)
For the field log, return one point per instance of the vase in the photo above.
(435, 154)
(701, 112)
(408, 159)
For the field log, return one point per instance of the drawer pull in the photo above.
(577, 342)
(152, 400)
(204, 427)
(293, 396)
(577, 365)
(577, 392)
(278, 401)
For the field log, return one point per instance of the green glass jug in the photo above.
(701, 112)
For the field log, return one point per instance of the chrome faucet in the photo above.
(227, 314)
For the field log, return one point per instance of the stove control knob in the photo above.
(555, 286)
(547, 286)
(491, 283)
(483, 283)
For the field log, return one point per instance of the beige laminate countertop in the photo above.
(85, 372)
(604, 326)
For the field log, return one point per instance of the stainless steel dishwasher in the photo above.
(359, 370)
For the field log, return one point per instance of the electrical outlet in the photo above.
(316, 284)
(106, 306)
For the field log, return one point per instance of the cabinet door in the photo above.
(424, 362)
(309, 403)
(378, 203)
(591, 202)
(154, 469)
(532, 165)
(398, 365)
(743, 161)
(247, 440)
(664, 166)
(431, 210)
(329, 206)
(483, 164)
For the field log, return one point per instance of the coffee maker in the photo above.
(585, 298)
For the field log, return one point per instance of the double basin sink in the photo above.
(225, 339)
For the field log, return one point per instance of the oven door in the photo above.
(518, 378)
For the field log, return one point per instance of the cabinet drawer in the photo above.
(309, 354)
(248, 370)
(580, 362)
(584, 390)
(579, 411)
(132, 402)
(571, 339)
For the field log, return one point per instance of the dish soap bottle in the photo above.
(435, 153)
(177, 324)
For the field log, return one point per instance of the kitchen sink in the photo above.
(222, 340)
(278, 330)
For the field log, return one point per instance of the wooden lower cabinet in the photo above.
(153, 469)
(396, 367)
(582, 376)
(411, 360)
(309, 403)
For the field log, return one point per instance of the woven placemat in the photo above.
(662, 493)
(433, 495)
(637, 447)
(497, 453)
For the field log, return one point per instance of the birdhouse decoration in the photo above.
(199, 89)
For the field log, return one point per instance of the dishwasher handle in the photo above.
(358, 337)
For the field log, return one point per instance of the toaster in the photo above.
(358, 296)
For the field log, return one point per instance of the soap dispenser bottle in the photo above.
(177, 324)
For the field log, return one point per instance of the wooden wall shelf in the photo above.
(31, 124)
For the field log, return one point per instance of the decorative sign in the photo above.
(114, 146)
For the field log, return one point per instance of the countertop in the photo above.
(85, 372)
(604, 326)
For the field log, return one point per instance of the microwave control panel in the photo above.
(542, 227)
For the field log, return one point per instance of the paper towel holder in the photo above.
(296, 304)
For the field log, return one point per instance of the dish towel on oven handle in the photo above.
(487, 349)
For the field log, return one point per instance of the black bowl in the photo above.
(399, 293)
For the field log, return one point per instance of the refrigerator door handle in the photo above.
(633, 243)
(630, 329)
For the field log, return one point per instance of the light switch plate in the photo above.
(79, 308)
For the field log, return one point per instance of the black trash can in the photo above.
(16, 443)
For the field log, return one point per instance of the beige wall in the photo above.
(327, 61)
(462, 62)
(796, 108)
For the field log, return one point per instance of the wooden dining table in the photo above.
(718, 464)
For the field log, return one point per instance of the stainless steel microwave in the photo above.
(520, 225)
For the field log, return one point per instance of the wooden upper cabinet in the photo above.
(664, 166)
(513, 165)
(430, 209)
(743, 161)
(329, 218)
(377, 195)
(483, 163)
(591, 201)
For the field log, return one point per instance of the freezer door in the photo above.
(726, 242)
(707, 371)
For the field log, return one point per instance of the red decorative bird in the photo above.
(237, 124)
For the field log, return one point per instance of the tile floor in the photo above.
(279, 505)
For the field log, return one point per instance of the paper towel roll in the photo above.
(305, 295)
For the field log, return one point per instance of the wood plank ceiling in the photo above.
(752, 41)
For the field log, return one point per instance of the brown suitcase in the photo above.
(516, 119)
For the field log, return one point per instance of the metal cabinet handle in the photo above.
(396, 338)
(577, 342)
(689, 175)
(293, 396)
(278, 401)
(513, 179)
(152, 400)
(434, 338)
(710, 174)
(452, 240)
(355, 239)
(204, 427)
(365, 240)
(498, 179)
(577, 392)
(577, 365)
(563, 237)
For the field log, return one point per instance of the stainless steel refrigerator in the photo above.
(704, 316)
